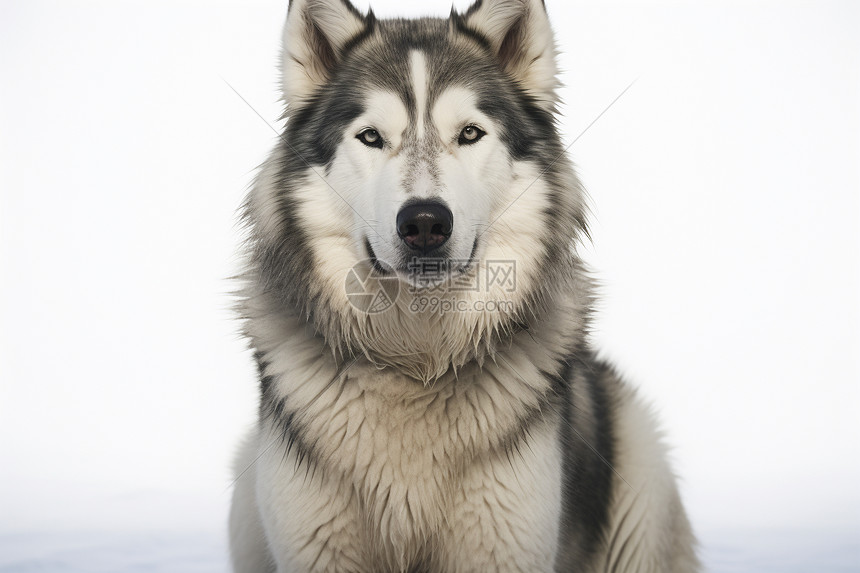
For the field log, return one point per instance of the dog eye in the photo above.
(470, 135)
(371, 138)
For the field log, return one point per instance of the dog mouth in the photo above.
(426, 266)
(384, 269)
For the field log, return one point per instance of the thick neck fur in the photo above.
(426, 345)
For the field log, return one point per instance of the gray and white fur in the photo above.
(411, 440)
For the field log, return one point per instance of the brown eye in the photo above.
(371, 138)
(470, 135)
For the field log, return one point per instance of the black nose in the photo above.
(425, 226)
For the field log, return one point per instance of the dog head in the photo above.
(419, 151)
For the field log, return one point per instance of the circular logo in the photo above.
(372, 286)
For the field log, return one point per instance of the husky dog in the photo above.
(416, 420)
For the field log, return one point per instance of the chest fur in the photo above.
(400, 446)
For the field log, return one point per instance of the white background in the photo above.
(726, 221)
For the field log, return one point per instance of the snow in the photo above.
(126, 551)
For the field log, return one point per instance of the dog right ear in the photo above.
(518, 33)
(315, 34)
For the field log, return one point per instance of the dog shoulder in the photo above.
(625, 509)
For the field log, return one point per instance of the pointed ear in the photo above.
(519, 34)
(314, 36)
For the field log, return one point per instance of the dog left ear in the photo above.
(519, 34)
(315, 34)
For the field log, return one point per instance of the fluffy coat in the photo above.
(416, 439)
